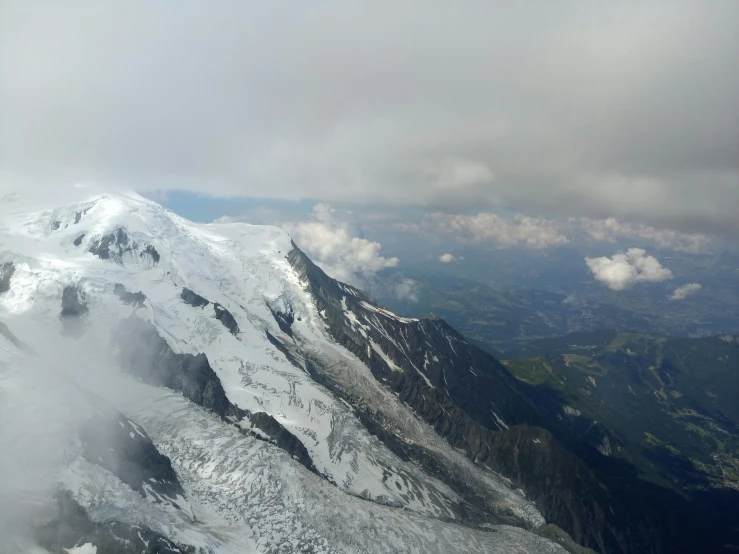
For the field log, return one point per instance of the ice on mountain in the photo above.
(251, 495)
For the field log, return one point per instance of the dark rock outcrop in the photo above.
(222, 314)
(193, 298)
(73, 303)
(151, 252)
(284, 320)
(273, 431)
(79, 239)
(282, 348)
(111, 246)
(555, 534)
(145, 354)
(118, 244)
(6, 273)
(472, 401)
(115, 443)
(610, 511)
(225, 317)
(135, 299)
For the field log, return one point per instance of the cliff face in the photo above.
(472, 401)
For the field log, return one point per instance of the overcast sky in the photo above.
(551, 109)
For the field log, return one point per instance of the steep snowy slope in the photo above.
(232, 368)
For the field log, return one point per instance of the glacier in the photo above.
(115, 257)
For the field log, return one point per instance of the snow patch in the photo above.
(87, 548)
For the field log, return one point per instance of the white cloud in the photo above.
(495, 230)
(611, 229)
(447, 258)
(627, 268)
(682, 292)
(333, 246)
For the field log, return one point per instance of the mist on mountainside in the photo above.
(53, 390)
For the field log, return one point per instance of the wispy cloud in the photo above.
(488, 229)
(611, 229)
(682, 292)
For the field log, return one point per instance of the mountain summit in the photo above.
(180, 387)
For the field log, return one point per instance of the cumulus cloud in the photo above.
(624, 269)
(333, 245)
(682, 292)
(494, 230)
(446, 258)
(611, 229)
(449, 104)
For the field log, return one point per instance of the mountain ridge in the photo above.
(107, 248)
(396, 416)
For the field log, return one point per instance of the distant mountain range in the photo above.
(502, 319)
(672, 400)
(666, 405)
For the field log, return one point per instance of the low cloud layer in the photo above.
(447, 258)
(623, 110)
(625, 269)
(611, 229)
(682, 292)
(487, 229)
(335, 247)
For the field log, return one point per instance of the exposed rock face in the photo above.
(266, 427)
(284, 320)
(135, 299)
(115, 443)
(427, 362)
(193, 298)
(143, 352)
(73, 527)
(118, 246)
(555, 534)
(222, 314)
(112, 246)
(79, 239)
(150, 251)
(281, 347)
(6, 272)
(225, 317)
(610, 511)
(73, 305)
(472, 400)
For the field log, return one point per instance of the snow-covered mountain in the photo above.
(167, 386)
(223, 431)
